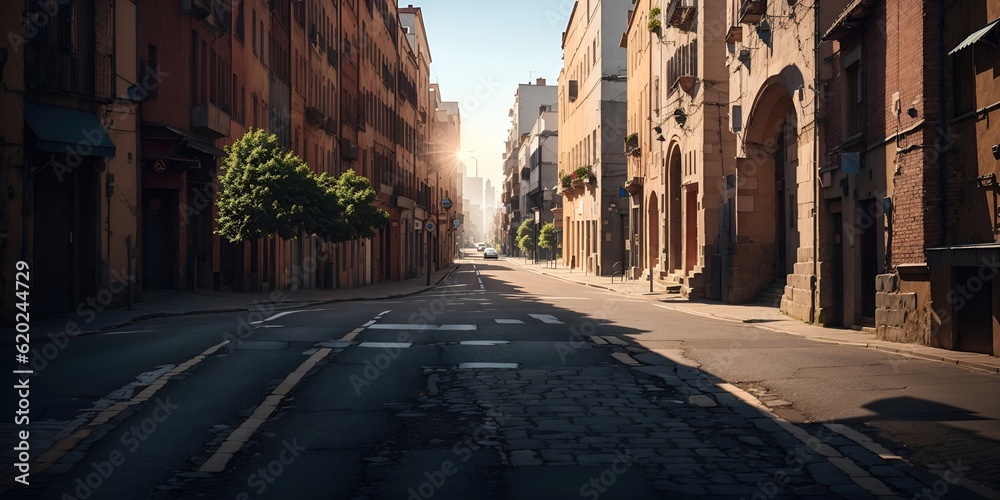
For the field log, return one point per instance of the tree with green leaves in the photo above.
(355, 195)
(547, 236)
(265, 190)
(526, 235)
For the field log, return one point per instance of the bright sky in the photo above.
(481, 50)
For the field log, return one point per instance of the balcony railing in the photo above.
(67, 70)
(751, 11)
(209, 119)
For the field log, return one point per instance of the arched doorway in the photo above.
(786, 195)
(767, 201)
(653, 235)
(674, 226)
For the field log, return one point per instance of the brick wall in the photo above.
(912, 70)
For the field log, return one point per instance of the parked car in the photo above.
(480, 247)
(490, 253)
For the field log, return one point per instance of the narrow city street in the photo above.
(501, 383)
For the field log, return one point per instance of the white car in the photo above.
(491, 253)
(480, 247)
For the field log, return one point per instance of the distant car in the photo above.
(480, 247)
(490, 253)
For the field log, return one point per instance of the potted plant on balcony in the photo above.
(584, 175)
(565, 180)
(631, 142)
(654, 20)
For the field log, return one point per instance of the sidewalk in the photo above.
(166, 303)
(763, 316)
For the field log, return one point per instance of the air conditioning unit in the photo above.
(736, 118)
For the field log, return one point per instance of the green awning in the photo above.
(65, 130)
(976, 36)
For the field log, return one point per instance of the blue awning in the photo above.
(65, 130)
(976, 36)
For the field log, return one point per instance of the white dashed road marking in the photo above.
(407, 326)
(386, 345)
(546, 318)
(509, 321)
(474, 365)
(276, 316)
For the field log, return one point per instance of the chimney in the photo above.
(540, 81)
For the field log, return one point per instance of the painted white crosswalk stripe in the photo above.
(408, 326)
(456, 327)
(509, 321)
(475, 365)
(547, 318)
(386, 345)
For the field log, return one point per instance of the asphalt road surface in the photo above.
(500, 383)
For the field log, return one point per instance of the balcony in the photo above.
(69, 70)
(329, 126)
(751, 11)
(315, 116)
(632, 185)
(197, 8)
(735, 34)
(210, 120)
(350, 151)
(680, 13)
(331, 56)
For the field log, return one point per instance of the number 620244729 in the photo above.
(22, 287)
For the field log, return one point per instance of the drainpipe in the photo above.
(943, 156)
(814, 288)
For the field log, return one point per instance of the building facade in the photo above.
(528, 101)
(69, 152)
(539, 175)
(912, 169)
(592, 122)
(119, 113)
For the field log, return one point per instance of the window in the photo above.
(240, 21)
(964, 81)
(854, 113)
(593, 144)
(232, 96)
(203, 77)
(253, 26)
(194, 66)
(151, 79)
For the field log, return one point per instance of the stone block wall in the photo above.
(899, 316)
